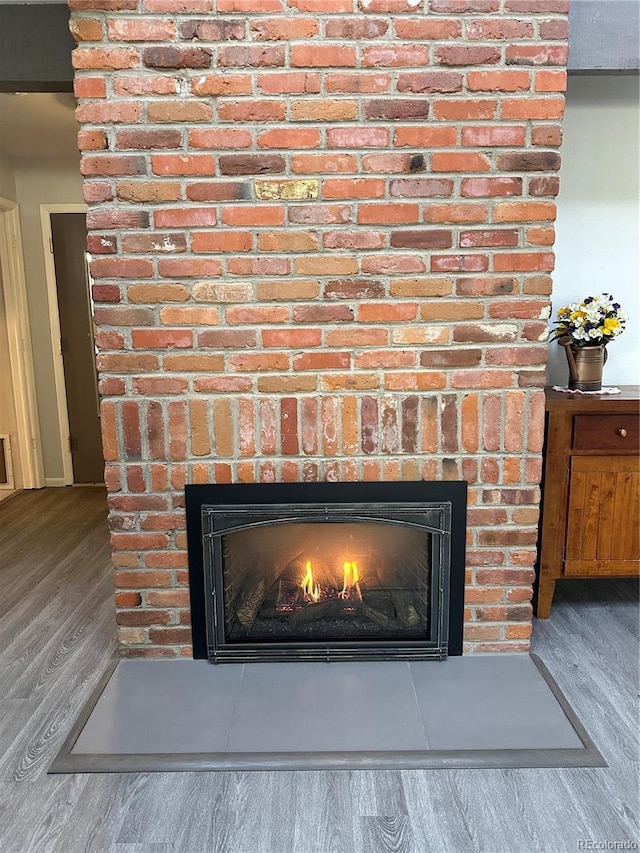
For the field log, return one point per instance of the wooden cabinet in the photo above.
(590, 525)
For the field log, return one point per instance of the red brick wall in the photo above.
(322, 239)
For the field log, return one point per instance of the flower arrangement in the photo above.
(593, 322)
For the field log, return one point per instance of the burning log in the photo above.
(405, 610)
(251, 602)
(332, 608)
(376, 616)
(289, 597)
(265, 574)
(379, 600)
(403, 601)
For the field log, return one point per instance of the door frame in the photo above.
(14, 286)
(54, 330)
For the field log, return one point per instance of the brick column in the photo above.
(322, 238)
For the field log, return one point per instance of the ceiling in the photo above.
(38, 125)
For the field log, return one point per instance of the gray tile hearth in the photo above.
(494, 710)
(346, 707)
(490, 703)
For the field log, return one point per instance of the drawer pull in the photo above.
(621, 432)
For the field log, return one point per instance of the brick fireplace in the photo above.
(322, 236)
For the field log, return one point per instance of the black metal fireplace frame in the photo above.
(325, 501)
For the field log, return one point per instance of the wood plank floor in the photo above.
(57, 636)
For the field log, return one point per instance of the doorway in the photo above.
(76, 348)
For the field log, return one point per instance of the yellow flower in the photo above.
(610, 326)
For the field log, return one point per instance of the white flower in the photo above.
(595, 320)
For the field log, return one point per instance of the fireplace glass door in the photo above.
(312, 582)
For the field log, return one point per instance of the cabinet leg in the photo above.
(546, 589)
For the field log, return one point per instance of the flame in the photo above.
(308, 587)
(350, 577)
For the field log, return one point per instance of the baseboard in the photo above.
(54, 482)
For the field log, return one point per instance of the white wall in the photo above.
(44, 181)
(597, 247)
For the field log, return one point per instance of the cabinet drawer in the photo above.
(606, 432)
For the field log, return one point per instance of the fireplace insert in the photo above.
(326, 571)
